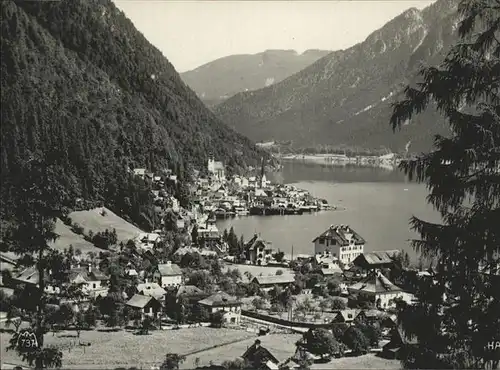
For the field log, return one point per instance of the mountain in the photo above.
(216, 81)
(84, 91)
(344, 99)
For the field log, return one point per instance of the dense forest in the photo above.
(86, 95)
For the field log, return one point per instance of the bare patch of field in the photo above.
(123, 348)
(282, 346)
(68, 237)
(369, 361)
(95, 221)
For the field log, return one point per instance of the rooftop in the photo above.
(188, 290)
(275, 279)
(257, 241)
(220, 299)
(376, 257)
(341, 234)
(169, 269)
(139, 301)
(151, 289)
(375, 283)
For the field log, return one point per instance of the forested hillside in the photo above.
(84, 93)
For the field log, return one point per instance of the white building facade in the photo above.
(341, 242)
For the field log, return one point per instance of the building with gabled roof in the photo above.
(168, 275)
(340, 241)
(231, 306)
(91, 280)
(346, 316)
(152, 290)
(148, 306)
(268, 282)
(376, 259)
(30, 277)
(189, 291)
(258, 251)
(259, 357)
(379, 290)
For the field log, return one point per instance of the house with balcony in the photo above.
(341, 241)
(168, 275)
(223, 302)
(259, 251)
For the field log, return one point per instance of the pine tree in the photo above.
(39, 198)
(458, 310)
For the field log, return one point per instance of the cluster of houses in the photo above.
(239, 196)
(149, 295)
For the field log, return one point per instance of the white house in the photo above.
(341, 242)
(379, 290)
(168, 275)
(231, 306)
(92, 281)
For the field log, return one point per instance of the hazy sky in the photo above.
(192, 33)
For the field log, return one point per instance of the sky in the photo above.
(192, 33)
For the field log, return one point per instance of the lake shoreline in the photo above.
(390, 164)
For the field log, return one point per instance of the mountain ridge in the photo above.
(332, 101)
(240, 72)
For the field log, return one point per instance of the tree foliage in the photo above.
(459, 309)
(172, 361)
(321, 342)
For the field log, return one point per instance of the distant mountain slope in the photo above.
(83, 89)
(218, 80)
(345, 98)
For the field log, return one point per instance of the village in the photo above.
(188, 277)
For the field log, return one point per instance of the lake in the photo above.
(378, 205)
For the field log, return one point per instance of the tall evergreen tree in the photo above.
(39, 198)
(458, 310)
